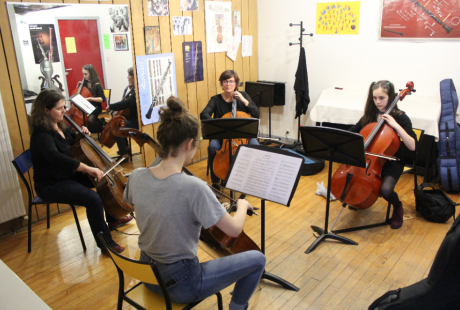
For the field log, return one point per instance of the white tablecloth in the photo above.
(347, 106)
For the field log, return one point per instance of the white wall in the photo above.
(115, 63)
(348, 61)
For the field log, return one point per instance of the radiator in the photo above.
(11, 202)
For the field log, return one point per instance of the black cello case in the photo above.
(440, 290)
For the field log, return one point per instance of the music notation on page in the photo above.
(264, 174)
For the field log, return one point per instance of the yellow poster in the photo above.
(70, 45)
(337, 17)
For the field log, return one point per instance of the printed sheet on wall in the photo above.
(218, 26)
(337, 17)
(427, 19)
(156, 77)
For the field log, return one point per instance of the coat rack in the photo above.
(302, 29)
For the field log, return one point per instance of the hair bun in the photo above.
(174, 110)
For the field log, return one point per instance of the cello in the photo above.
(213, 236)
(107, 139)
(221, 162)
(73, 112)
(111, 187)
(360, 187)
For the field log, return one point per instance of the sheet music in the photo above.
(82, 104)
(264, 174)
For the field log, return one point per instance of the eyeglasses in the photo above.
(228, 82)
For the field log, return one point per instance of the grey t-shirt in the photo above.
(170, 213)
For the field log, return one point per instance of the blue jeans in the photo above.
(190, 281)
(78, 192)
(214, 146)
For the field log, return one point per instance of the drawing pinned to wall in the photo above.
(338, 17)
(218, 26)
(157, 8)
(121, 42)
(188, 5)
(156, 78)
(119, 19)
(152, 40)
(236, 19)
(233, 50)
(193, 61)
(420, 19)
(182, 25)
(40, 36)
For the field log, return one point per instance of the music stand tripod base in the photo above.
(278, 280)
(326, 235)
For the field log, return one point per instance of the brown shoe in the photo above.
(396, 220)
(116, 248)
(120, 222)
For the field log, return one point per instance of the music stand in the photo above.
(269, 174)
(263, 95)
(338, 146)
(229, 128)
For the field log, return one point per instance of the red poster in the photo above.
(420, 19)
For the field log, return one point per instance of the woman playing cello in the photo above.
(58, 177)
(93, 82)
(171, 208)
(380, 94)
(221, 104)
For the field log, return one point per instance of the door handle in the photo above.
(68, 69)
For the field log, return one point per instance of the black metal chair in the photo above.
(23, 163)
(140, 296)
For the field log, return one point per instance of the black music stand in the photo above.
(263, 95)
(338, 146)
(241, 181)
(230, 128)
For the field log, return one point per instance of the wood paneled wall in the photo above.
(195, 95)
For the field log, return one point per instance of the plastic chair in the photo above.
(140, 296)
(106, 103)
(23, 163)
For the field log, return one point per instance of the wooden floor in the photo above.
(334, 276)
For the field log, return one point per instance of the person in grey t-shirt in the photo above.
(171, 207)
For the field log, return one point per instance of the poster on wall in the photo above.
(233, 50)
(420, 19)
(152, 40)
(218, 26)
(119, 19)
(182, 25)
(337, 17)
(156, 77)
(193, 61)
(189, 5)
(236, 19)
(121, 42)
(43, 41)
(157, 8)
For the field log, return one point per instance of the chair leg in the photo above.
(219, 301)
(207, 168)
(47, 215)
(29, 229)
(388, 213)
(130, 152)
(78, 227)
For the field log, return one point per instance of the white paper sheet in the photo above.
(233, 50)
(237, 34)
(264, 174)
(246, 46)
(83, 104)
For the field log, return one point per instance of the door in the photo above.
(86, 51)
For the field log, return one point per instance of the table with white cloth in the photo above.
(347, 106)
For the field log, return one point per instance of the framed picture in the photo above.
(152, 40)
(121, 42)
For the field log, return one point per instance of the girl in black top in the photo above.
(93, 83)
(381, 94)
(58, 177)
